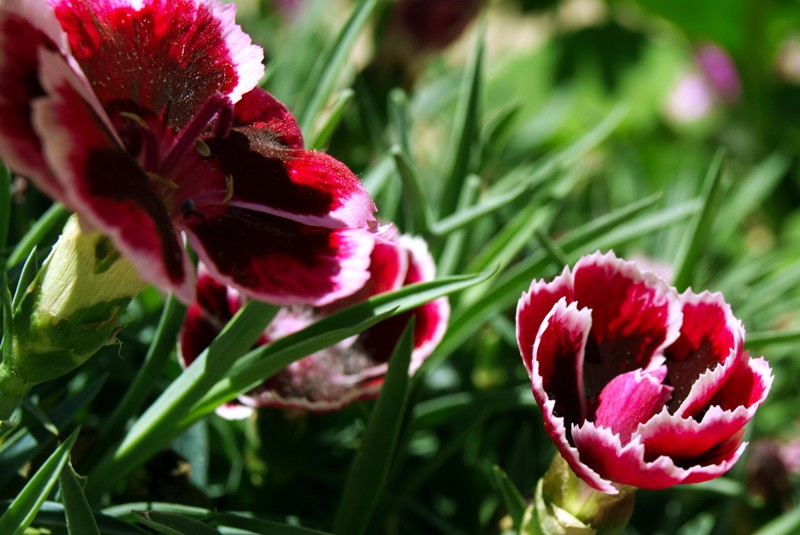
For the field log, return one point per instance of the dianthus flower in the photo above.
(638, 385)
(143, 117)
(348, 371)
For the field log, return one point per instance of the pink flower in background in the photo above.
(352, 369)
(638, 385)
(699, 92)
(430, 25)
(143, 116)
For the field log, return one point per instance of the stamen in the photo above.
(135, 118)
(228, 189)
(191, 132)
(158, 179)
(202, 148)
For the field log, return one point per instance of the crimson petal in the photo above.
(104, 184)
(167, 57)
(635, 315)
(277, 260)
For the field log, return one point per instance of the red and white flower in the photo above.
(638, 385)
(143, 116)
(348, 371)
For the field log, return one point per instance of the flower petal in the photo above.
(602, 449)
(532, 308)
(710, 335)
(306, 186)
(26, 27)
(635, 315)
(258, 109)
(104, 184)
(166, 56)
(631, 399)
(689, 442)
(276, 260)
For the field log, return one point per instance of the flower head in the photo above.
(348, 371)
(143, 116)
(639, 385)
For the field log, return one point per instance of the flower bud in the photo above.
(70, 310)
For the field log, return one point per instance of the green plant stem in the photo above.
(55, 216)
(157, 356)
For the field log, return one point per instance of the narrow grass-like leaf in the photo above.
(330, 65)
(52, 516)
(263, 526)
(557, 256)
(29, 271)
(765, 338)
(28, 442)
(465, 129)
(786, 524)
(378, 176)
(174, 524)
(135, 396)
(453, 249)
(771, 289)
(515, 503)
(399, 120)
(5, 211)
(445, 409)
(337, 111)
(368, 473)
(466, 216)
(417, 209)
(22, 511)
(53, 218)
(8, 331)
(749, 193)
(698, 230)
(158, 424)
(265, 361)
(80, 519)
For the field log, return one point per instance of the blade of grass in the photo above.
(698, 231)
(337, 111)
(465, 128)
(417, 209)
(786, 524)
(453, 249)
(20, 514)
(80, 519)
(174, 524)
(367, 476)
(399, 118)
(263, 526)
(515, 503)
(267, 360)
(29, 271)
(155, 427)
(54, 217)
(5, 211)
(331, 64)
(157, 356)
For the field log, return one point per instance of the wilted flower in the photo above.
(143, 116)
(350, 370)
(638, 385)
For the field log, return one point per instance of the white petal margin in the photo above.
(541, 296)
(555, 425)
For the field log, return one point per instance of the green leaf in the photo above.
(367, 476)
(453, 250)
(257, 525)
(416, 202)
(55, 217)
(465, 128)
(399, 119)
(174, 524)
(330, 65)
(265, 361)
(29, 271)
(786, 524)
(512, 497)
(338, 109)
(697, 234)
(5, 211)
(158, 424)
(23, 509)
(80, 520)
(140, 389)
(764, 338)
